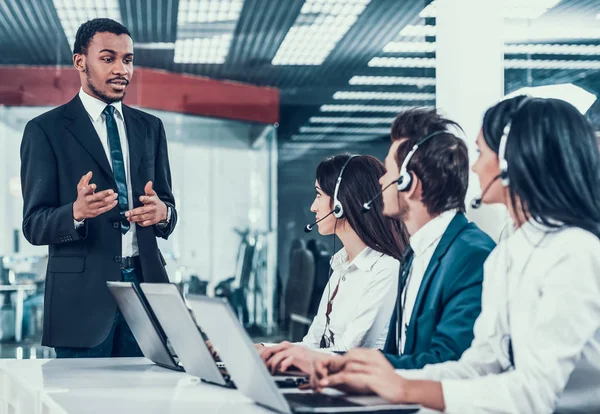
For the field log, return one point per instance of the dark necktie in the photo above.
(118, 165)
(404, 272)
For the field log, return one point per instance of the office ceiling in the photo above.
(260, 42)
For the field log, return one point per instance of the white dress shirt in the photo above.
(423, 242)
(542, 289)
(94, 108)
(363, 306)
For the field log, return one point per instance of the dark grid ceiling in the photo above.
(31, 34)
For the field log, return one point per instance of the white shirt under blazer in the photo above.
(548, 303)
(363, 306)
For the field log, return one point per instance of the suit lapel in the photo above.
(136, 134)
(454, 228)
(82, 128)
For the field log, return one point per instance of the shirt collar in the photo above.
(95, 106)
(365, 260)
(431, 232)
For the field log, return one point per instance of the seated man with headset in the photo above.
(439, 289)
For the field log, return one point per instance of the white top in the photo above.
(94, 108)
(363, 306)
(548, 300)
(423, 242)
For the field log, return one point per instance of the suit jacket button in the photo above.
(116, 225)
(117, 259)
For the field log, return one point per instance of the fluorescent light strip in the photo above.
(385, 96)
(547, 49)
(552, 64)
(205, 30)
(409, 47)
(349, 120)
(394, 62)
(73, 14)
(391, 80)
(365, 108)
(324, 137)
(338, 130)
(550, 33)
(319, 27)
(418, 30)
(553, 49)
(389, 62)
(511, 9)
(310, 145)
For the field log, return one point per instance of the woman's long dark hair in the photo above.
(360, 183)
(553, 160)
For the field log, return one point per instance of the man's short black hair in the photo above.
(441, 163)
(87, 30)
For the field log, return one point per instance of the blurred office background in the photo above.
(253, 95)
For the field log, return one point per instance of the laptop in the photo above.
(183, 333)
(143, 324)
(252, 378)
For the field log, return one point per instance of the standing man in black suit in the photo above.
(97, 190)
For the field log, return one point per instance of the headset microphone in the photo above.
(367, 206)
(476, 203)
(308, 228)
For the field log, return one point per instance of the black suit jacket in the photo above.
(58, 148)
(448, 301)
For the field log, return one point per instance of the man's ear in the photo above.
(415, 185)
(79, 62)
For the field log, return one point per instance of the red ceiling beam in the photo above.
(150, 88)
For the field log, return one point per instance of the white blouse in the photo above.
(362, 309)
(541, 290)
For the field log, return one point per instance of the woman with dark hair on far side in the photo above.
(537, 340)
(358, 301)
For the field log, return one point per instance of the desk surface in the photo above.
(115, 385)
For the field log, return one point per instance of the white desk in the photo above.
(112, 386)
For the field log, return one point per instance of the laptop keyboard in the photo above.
(319, 400)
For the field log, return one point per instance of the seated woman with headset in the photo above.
(537, 340)
(359, 299)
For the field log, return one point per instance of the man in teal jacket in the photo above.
(439, 290)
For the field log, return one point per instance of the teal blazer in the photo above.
(448, 302)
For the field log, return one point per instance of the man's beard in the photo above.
(402, 207)
(105, 98)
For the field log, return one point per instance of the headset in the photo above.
(504, 141)
(405, 180)
(338, 209)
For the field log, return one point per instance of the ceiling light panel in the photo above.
(320, 25)
(365, 108)
(341, 130)
(73, 13)
(409, 47)
(394, 62)
(325, 137)
(384, 96)
(511, 9)
(552, 64)
(205, 30)
(553, 49)
(391, 80)
(349, 120)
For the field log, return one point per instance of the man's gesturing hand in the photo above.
(90, 204)
(153, 210)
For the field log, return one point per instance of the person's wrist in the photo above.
(405, 390)
(165, 215)
(76, 215)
